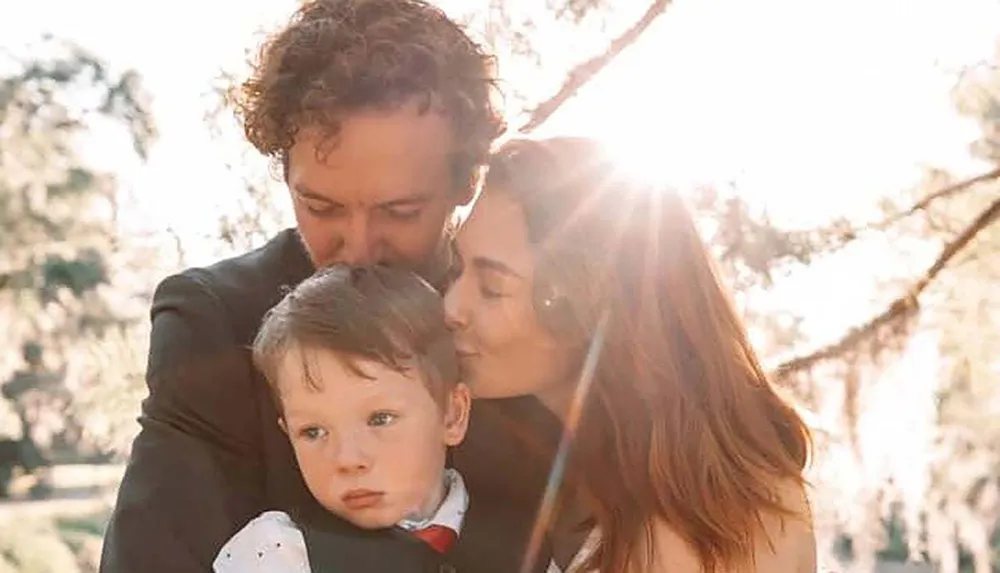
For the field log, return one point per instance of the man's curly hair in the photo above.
(338, 56)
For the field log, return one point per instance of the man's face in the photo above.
(379, 192)
(370, 448)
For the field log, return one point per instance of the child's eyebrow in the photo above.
(298, 413)
(381, 390)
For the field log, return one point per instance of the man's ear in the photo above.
(458, 406)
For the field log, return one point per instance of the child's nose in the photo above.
(353, 456)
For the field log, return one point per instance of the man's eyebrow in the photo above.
(489, 264)
(308, 193)
(406, 201)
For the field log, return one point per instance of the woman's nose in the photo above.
(454, 311)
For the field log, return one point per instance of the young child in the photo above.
(366, 382)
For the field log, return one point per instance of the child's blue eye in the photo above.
(381, 419)
(312, 433)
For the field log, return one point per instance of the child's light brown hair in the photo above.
(386, 315)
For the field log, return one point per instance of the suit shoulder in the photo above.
(281, 260)
(245, 286)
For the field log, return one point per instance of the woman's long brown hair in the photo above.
(682, 424)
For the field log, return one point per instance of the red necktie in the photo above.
(439, 537)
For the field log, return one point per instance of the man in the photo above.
(379, 113)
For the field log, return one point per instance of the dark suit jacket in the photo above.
(353, 550)
(489, 541)
(210, 455)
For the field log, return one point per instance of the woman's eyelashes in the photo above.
(488, 292)
(490, 284)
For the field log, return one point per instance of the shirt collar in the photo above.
(451, 512)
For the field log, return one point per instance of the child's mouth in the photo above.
(361, 499)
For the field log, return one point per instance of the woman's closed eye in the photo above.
(382, 418)
(492, 287)
(493, 284)
(488, 285)
(488, 292)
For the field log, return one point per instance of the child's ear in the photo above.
(457, 410)
(282, 424)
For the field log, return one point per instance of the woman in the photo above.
(684, 457)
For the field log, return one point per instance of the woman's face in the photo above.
(503, 349)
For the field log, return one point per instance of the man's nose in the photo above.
(359, 243)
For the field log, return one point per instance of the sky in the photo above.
(813, 107)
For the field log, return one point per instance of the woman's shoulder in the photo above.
(785, 544)
(788, 542)
(270, 542)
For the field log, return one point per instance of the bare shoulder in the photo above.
(786, 544)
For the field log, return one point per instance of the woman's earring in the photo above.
(553, 309)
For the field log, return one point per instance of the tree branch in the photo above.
(586, 71)
(942, 193)
(901, 307)
(839, 239)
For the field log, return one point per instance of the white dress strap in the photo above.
(586, 550)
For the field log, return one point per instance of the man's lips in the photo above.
(361, 499)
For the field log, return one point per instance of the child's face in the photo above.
(371, 450)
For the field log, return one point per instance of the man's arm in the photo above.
(193, 478)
